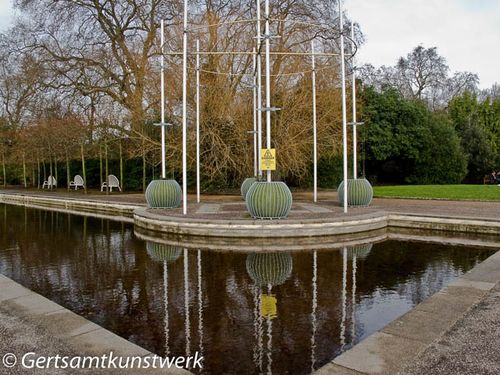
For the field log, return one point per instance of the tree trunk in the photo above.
(143, 166)
(100, 165)
(83, 171)
(44, 171)
(67, 171)
(50, 170)
(106, 165)
(121, 167)
(38, 180)
(24, 172)
(33, 178)
(55, 169)
(4, 170)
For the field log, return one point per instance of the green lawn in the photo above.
(453, 192)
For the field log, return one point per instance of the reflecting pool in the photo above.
(247, 313)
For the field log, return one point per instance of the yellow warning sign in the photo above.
(268, 159)
(268, 307)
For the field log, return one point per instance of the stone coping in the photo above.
(334, 226)
(82, 336)
(359, 225)
(389, 350)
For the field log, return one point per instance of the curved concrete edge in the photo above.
(392, 348)
(151, 221)
(81, 335)
(468, 225)
(251, 245)
(255, 228)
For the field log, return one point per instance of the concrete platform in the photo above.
(226, 216)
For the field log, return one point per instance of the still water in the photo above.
(247, 313)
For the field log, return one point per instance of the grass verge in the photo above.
(452, 192)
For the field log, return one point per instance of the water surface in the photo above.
(247, 313)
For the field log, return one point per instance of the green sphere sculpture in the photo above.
(163, 253)
(269, 268)
(246, 185)
(269, 200)
(359, 192)
(163, 194)
(360, 251)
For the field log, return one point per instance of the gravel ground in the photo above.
(470, 347)
(19, 336)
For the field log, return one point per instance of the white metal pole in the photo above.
(198, 121)
(255, 114)
(354, 130)
(315, 144)
(259, 89)
(162, 126)
(186, 303)
(344, 114)
(184, 111)
(268, 84)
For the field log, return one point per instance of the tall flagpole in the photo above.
(344, 114)
(184, 111)
(315, 145)
(198, 121)
(259, 89)
(268, 83)
(354, 131)
(255, 113)
(162, 63)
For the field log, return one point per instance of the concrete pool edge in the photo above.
(84, 337)
(393, 347)
(309, 227)
(241, 228)
(105, 209)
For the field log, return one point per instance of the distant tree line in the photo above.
(424, 126)
(79, 88)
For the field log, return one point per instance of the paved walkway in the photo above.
(471, 346)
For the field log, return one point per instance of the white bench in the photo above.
(77, 182)
(112, 182)
(50, 183)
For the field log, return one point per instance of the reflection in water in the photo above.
(314, 306)
(247, 313)
(266, 270)
(165, 254)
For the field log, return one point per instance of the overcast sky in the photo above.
(466, 32)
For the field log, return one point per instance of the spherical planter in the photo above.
(163, 194)
(359, 192)
(360, 251)
(163, 253)
(269, 268)
(269, 200)
(246, 185)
